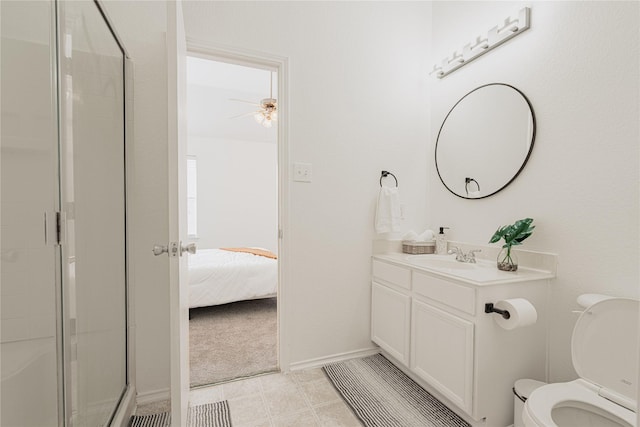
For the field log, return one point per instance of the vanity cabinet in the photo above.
(391, 308)
(442, 352)
(390, 323)
(434, 328)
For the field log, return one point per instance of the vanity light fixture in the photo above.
(511, 27)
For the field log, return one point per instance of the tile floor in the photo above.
(297, 399)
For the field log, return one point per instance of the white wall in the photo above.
(358, 105)
(237, 192)
(578, 65)
(149, 220)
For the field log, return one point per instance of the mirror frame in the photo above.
(524, 162)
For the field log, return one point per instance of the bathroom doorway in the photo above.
(232, 216)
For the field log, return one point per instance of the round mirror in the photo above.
(485, 141)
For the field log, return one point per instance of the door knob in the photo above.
(172, 249)
(159, 250)
(191, 248)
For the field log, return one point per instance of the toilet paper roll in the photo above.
(522, 313)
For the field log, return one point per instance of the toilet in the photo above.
(604, 349)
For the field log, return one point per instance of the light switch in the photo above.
(302, 172)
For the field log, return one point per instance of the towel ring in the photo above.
(384, 174)
(468, 181)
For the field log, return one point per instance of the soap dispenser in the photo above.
(441, 242)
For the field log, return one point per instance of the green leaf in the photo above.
(509, 234)
(496, 236)
(514, 234)
(519, 239)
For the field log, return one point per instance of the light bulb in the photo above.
(274, 115)
(267, 123)
(259, 117)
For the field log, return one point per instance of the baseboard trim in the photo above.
(153, 396)
(340, 357)
(127, 407)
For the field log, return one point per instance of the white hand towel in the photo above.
(388, 211)
(427, 236)
(410, 235)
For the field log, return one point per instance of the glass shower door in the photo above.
(29, 158)
(93, 203)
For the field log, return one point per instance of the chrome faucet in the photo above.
(469, 257)
(459, 254)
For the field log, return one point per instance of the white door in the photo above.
(179, 324)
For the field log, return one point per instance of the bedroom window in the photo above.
(192, 196)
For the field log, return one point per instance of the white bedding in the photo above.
(219, 277)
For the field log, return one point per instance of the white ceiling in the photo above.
(211, 85)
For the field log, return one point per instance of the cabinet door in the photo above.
(390, 320)
(442, 352)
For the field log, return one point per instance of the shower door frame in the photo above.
(126, 403)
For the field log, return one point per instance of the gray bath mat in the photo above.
(381, 395)
(209, 415)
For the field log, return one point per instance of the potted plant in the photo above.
(513, 235)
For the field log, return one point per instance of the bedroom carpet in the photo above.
(232, 341)
(381, 395)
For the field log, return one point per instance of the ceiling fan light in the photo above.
(274, 115)
(267, 123)
(259, 117)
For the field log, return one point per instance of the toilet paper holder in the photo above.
(489, 308)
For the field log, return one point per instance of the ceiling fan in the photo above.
(267, 112)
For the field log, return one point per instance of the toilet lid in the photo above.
(604, 345)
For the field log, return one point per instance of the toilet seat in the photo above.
(579, 394)
(606, 364)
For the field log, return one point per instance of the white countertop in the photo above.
(483, 273)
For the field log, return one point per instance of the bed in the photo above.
(221, 276)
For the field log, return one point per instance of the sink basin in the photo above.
(440, 262)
